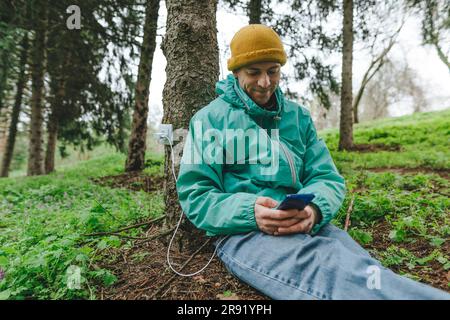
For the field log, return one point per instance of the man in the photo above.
(225, 187)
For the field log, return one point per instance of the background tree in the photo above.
(39, 15)
(254, 11)
(396, 83)
(91, 105)
(381, 41)
(435, 16)
(12, 132)
(90, 81)
(346, 123)
(191, 50)
(137, 143)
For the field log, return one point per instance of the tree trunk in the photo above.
(5, 117)
(52, 138)
(38, 63)
(7, 157)
(4, 110)
(346, 125)
(137, 144)
(254, 11)
(191, 50)
(57, 108)
(4, 69)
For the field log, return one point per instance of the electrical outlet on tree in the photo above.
(165, 133)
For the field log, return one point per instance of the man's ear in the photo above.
(235, 73)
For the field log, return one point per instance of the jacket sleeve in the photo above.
(321, 177)
(202, 194)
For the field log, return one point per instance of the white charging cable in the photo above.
(178, 225)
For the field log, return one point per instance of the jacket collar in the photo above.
(230, 91)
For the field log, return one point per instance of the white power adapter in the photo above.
(165, 134)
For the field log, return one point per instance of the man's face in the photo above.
(259, 80)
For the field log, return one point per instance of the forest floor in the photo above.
(86, 231)
(144, 274)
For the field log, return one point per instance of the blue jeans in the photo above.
(329, 265)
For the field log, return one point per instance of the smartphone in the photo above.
(295, 201)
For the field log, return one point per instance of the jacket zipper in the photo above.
(291, 163)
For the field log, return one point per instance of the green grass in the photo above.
(72, 156)
(424, 139)
(414, 206)
(410, 203)
(42, 220)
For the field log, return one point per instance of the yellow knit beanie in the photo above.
(255, 43)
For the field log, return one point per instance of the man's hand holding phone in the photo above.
(282, 222)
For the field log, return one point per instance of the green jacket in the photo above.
(218, 193)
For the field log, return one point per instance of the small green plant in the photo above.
(42, 247)
(227, 293)
(361, 236)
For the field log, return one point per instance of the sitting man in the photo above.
(227, 186)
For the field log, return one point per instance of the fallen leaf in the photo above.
(200, 279)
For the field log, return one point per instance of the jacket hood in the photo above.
(230, 90)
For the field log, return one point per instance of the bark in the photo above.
(5, 117)
(254, 11)
(12, 132)
(137, 144)
(53, 125)
(346, 123)
(191, 50)
(57, 109)
(38, 65)
(4, 70)
(4, 108)
(52, 138)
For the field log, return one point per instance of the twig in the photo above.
(162, 234)
(123, 229)
(349, 212)
(128, 237)
(181, 269)
(164, 294)
(126, 262)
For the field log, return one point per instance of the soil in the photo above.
(433, 273)
(444, 173)
(142, 271)
(375, 147)
(135, 181)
